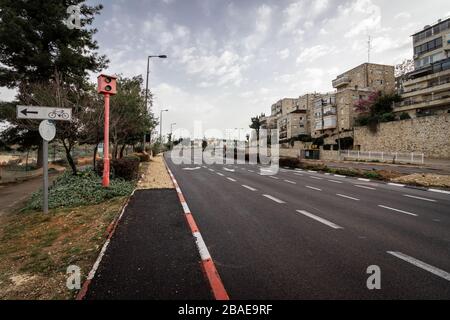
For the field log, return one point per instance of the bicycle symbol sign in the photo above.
(44, 113)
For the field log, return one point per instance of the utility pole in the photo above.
(161, 125)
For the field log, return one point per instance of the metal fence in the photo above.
(415, 158)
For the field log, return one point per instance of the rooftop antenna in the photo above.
(369, 48)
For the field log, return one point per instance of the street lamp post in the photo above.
(146, 88)
(171, 133)
(161, 125)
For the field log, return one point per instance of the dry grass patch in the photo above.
(425, 180)
(36, 249)
(155, 175)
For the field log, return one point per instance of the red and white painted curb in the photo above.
(208, 265)
(111, 230)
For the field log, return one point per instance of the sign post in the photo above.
(108, 87)
(47, 130)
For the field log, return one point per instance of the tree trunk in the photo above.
(94, 159)
(70, 160)
(26, 162)
(40, 156)
(122, 149)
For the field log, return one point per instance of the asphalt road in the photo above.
(307, 235)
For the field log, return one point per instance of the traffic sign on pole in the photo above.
(47, 130)
(44, 113)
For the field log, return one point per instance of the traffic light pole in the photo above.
(106, 161)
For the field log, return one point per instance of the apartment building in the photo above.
(306, 102)
(356, 84)
(325, 115)
(292, 125)
(283, 107)
(426, 90)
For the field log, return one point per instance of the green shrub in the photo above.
(387, 117)
(143, 157)
(372, 175)
(405, 116)
(289, 162)
(78, 190)
(126, 168)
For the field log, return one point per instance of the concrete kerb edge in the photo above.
(207, 263)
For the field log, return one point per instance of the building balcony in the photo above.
(341, 81)
(429, 102)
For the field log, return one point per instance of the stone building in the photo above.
(356, 84)
(283, 107)
(292, 125)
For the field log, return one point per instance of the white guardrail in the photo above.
(384, 156)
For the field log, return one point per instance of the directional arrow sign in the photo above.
(44, 113)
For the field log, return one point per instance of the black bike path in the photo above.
(152, 255)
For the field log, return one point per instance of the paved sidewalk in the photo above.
(13, 195)
(152, 255)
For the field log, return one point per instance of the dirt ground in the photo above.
(155, 175)
(425, 180)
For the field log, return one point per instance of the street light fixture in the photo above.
(161, 124)
(146, 85)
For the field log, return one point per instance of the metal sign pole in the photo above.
(106, 145)
(45, 168)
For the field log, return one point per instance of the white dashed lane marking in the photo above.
(347, 197)
(319, 219)
(397, 210)
(313, 188)
(364, 187)
(249, 188)
(273, 199)
(420, 264)
(419, 198)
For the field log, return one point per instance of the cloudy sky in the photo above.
(231, 59)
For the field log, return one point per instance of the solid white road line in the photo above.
(231, 179)
(273, 199)
(419, 198)
(420, 264)
(211, 170)
(317, 178)
(220, 174)
(312, 171)
(364, 187)
(366, 180)
(319, 219)
(335, 181)
(396, 184)
(340, 176)
(397, 210)
(312, 188)
(439, 191)
(347, 197)
(229, 170)
(291, 182)
(249, 188)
